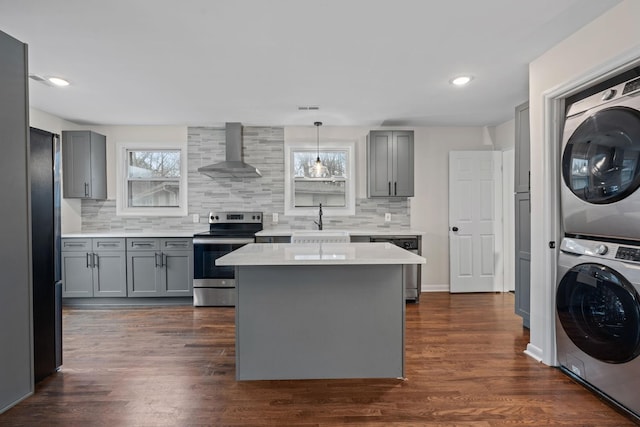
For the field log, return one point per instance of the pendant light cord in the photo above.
(317, 125)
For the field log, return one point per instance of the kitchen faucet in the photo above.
(319, 222)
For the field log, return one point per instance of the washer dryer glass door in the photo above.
(600, 312)
(601, 161)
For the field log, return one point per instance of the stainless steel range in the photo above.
(215, 285)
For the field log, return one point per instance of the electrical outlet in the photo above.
(387, 217)
(196, 218)
(274, 218)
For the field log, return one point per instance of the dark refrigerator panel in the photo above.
(45, 241)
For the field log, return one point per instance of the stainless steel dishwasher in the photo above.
(412, 272)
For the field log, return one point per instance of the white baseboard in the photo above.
(534, 352)
(434, 287)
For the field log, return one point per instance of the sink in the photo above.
(320, 236)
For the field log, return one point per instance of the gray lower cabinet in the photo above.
(159, 267)
(93, 267)
(523, 257)
(84, 165)
(390, 164)
(522, 214)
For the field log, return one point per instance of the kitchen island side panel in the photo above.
(319, 321)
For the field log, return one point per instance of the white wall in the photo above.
(430, 206)
(70, 208)
(607, 43)
(71, 214)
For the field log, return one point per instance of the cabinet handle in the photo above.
(95, 260)
(88, 262)
(86, 189)
(177, 245)
(164, 259)
(156, 259)
(389, 187)
(142, 244)
(73, 245)
(109, 245)
(395, 188)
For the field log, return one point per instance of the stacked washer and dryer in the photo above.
(597, 295)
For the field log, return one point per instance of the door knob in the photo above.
(454, 228)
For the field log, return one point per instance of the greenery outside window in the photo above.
(152, 181)
(333, 185)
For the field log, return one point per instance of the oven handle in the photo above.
(215, 241)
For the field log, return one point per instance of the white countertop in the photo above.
(107, 234)
(319, 254)
(277, 232)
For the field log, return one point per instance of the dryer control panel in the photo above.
(628, 254)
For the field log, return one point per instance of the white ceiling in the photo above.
(363, 62)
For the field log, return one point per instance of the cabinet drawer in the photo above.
(142, 244)
(108, 244)
(69, 245)
(177, 243)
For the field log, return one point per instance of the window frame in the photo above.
(350, 187)
(122, 190)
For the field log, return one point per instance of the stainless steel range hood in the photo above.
(233, 166)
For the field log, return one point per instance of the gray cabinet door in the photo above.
(380, 173)
(84, 165)
(143, 274)
(390, 164)
(77, 274)
(403, 164)
(177, 271)
(522, 155)
(523, 257)
(110, 274)
(177, 266)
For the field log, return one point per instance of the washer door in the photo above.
(601, 161)
(600, 312)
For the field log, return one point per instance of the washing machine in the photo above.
(599, 194)
(598, 318)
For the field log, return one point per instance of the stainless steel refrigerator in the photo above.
(45, 247)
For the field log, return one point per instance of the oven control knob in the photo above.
(601, 249)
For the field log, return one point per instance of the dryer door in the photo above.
(600, 312)
(601, 161)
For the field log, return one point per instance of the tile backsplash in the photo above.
(263, 147)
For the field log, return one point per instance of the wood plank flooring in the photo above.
(174, 366)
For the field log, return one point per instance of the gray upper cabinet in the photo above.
(84, 165)
(390, 164)
(522, 156)
(522, 215)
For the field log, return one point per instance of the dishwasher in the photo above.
(412, 272)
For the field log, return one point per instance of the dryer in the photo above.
(599, 195)
(598, 318)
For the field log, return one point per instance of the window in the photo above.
(152, 180)
(333, 185)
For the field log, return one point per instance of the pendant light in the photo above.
(318, 165)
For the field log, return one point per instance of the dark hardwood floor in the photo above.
(174, 366)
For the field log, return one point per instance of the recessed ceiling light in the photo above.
(58, 81)
(461, 80)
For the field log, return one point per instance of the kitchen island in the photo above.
(322, 310)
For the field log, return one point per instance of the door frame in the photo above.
(545, 212)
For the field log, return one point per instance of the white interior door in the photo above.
(508, 220)
(475, 221)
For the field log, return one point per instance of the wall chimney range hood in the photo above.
(233, 166)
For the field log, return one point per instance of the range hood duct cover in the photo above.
(233, 166)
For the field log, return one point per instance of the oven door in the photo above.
(205, 252)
